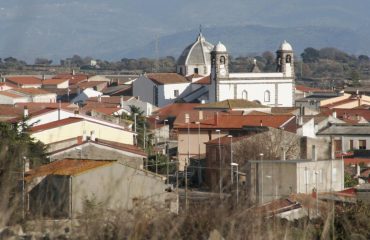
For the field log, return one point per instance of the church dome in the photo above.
(196, 53)
(285, 46)
(220, 47)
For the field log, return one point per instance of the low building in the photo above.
(62, 188)
(273, 179)
(19, 95)
(55, 83)
(24, 81)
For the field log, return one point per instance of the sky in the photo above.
(60, 28)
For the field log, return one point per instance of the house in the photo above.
(302, 91)
(72, 127)
(86, 94)
(19, 95)
(347, 137)
(24, 81)
(272, 143)
(55, 83)
(6, 86)
(192, 135)
(347, 101)
(161, 89)
(83, 147)
(110, 183)
(310, 105)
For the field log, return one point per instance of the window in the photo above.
(338, 145)
(245, 95)
(175, 93)
(267, 96)
(196, 71)
(350, 144)
(288, 58)
(155, 95)
(362, 144)
(222, 60)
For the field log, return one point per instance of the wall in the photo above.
(143, 87)
(10, 100)
(77, 129)
(117, 186)
(167, 92)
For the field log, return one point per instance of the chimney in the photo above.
(99, 98)
(84, 136)
(121, 101)
(283, 155)
(314, 155)
(200, 115)
(261, 123)
(76, 112)
(43, 77)
(300, 120)
(25, 111)
(73, 72)
(92, 135)
(335, 114)
(187, 118)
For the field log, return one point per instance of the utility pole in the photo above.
(186, 185)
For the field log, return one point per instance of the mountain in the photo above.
(254, 39)
(111, 29)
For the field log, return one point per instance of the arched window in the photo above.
(245, 95)
(267, 96)
(222, 60)
(288, 59)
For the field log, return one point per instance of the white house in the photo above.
(11, 98)
(86, 94)
(55, 83)
(24, 81)
(24, 95)
(161, 89)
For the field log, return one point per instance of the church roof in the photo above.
(285, 46)
(220, 47)
(196, 53)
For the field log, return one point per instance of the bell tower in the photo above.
(285, 60)
(219, 69)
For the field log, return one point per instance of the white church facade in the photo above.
(272, 89)
(203, 75)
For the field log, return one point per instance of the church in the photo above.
(202, 75)
(275, 89)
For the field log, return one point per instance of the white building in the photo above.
(161, 89)
(24, 95)
(271, 89)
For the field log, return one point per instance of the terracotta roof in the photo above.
(55, 124)
(304, 88)
(167, 78)
(54, 81)
(231, 104)
(122, 146)
(10, 110)
(343, 113)
(356, 160)
(338, 103)
(174, 109)
(73, 79)
(24, 80)
(37, 106)
(30, 91)
(9, 94)
(231, 121)
(65, 167)
(204, 81)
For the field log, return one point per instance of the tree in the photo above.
(16, 147)
(310, 55)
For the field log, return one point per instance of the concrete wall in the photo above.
(276, 179)
(11, 101)
(117, 186)
(73, 130)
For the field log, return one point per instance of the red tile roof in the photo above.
(173, 110)
(91, 84)
(356, 160)
(54, 81)
(112, 99)
(230, 121)
(304, 88)
(106, 110)
(338, 103)
(122, 146)
(37, 106)
(204, 81)
(167, 78)
(24, 80)
(55, 124)
(65, 167)
(30, 91)
(343, 113)
(73, 79)
(9, 94)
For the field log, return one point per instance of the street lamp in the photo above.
(219, 159)
(155, 144)
(187, 119)
(231, 158)
(135, 115)
(237, 180)
(199, 169)
(166, 152)
(261, 156)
